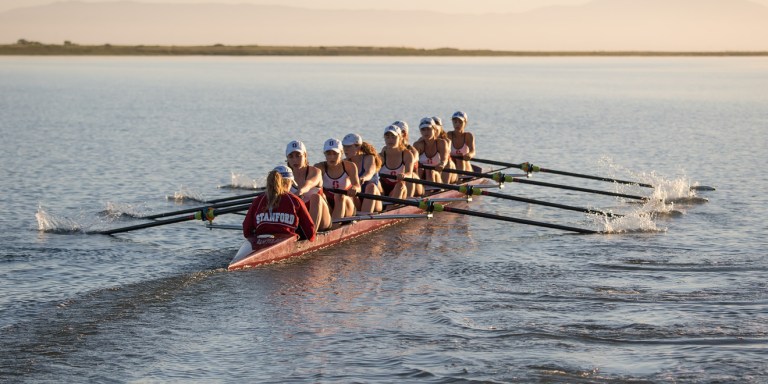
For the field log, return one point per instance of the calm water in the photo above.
(680, 298)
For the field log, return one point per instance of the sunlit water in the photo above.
(676, 292)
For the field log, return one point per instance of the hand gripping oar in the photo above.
(430, 207)
(469, 191)
(223, 204)
(501, 178)
(528, 167)
(206, 213)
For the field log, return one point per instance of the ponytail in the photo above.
(368, 149)
(277, 186)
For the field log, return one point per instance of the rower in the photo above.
(413, 188)
(308, 184)
(398, 161)
(368, 163)
(278, 211)
(433, 151)
(462, 142)
(339, 174)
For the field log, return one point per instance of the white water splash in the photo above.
(636, 221)
(243, 181)
(47, 222)
(679, 190)
(186, 194)
(116, 210)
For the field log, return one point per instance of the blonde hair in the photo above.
(368, 149)
(277, 186)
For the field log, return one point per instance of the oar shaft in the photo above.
(216, 212)
(476, 191)
(231, 198)
(509, 179)
(440, 207)
(197, 209)
(519, 221)
(572, 188)
(564, 173)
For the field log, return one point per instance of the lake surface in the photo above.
(680, 296)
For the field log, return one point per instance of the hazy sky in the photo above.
(449, 6)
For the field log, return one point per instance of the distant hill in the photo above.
(645, 25)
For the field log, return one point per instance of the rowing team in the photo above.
(298, 199)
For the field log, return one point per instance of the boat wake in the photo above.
(243, 181)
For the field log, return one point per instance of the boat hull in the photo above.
(257, 251)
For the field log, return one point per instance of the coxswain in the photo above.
(397, 161)
(433, 151)
(339, 174)
(278, 211)
(308, 184)
(462, 142)
(368, 163)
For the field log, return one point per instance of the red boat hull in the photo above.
(257, 251)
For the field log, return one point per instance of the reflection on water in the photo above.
(94, 142)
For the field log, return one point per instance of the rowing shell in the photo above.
(267, 249)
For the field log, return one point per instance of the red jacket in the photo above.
(289, 216)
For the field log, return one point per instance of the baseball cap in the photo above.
(332, 145)
(426, 122)
(402, 125)
(438, 121)
(460, 115)
(394, 129)
(284, 171)
(295, 146)
(352, 139)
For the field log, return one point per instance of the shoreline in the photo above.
(69, 49)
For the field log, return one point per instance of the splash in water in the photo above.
(47, 222)
(243, 181)
(186, 194)
(680, 190)
(115, 211)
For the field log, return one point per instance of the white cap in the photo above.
(295, 146)
(402, 125)
(392, 129)
(352, 139)
(284, 171)
(460, 115)
(332, 145)
(426, 122)
(438, 121)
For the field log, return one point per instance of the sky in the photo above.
(447, 6)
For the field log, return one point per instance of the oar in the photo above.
(201, 214)
(435, 207)
(500, 177)
(528, 167)
(197, 209)
(469, 190)
(238, 197)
